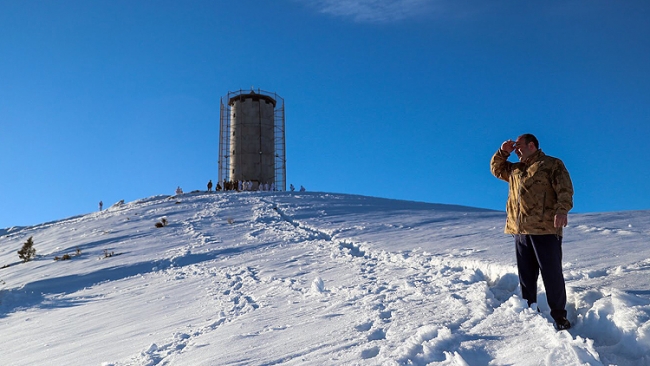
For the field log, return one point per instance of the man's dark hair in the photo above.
(529, 137)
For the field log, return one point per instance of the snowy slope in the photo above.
(314, 278)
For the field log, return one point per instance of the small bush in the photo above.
(162, 223)
(27, 252)
(107, 254)
(64, 258)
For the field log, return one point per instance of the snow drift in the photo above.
(314, 278)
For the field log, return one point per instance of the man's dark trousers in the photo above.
(543, 253)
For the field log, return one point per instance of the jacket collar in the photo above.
(534, 157)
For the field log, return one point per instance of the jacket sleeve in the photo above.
(500, 166)
(563, 189)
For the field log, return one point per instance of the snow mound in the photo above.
(264, 278)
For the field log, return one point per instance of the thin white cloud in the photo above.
(386, 11)
(374, 10)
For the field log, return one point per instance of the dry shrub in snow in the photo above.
(162, 223)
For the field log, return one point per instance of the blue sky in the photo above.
(111, 100)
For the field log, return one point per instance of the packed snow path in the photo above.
(313, 278)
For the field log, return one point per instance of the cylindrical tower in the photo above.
(252, 139)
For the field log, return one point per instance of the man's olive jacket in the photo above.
(539, 188)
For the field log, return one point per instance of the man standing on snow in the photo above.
(210, 185)
(539, 199)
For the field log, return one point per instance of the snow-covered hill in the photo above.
(314, 278)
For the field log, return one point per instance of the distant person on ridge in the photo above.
(179, 191)
(101, 205)
(292, 188)
(302, 189)
(539, 199)
(210, 185)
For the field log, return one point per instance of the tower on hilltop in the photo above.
(251, 139)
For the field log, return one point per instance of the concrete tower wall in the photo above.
(252, 141)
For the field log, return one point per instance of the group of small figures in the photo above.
(242, 186)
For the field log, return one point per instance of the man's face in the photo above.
(522, 149)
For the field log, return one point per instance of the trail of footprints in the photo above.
(376, 294)
(234, 302)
